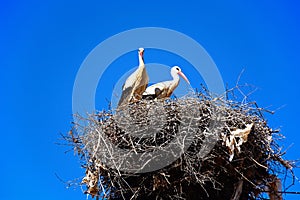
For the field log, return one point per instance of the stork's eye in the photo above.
(177, 69)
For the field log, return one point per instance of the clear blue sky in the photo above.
(42, 45)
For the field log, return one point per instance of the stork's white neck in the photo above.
(175, 80)
(141, 60)
(175, 76)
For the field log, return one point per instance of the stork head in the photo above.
(178, 71)
(141, 51)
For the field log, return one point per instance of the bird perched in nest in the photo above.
(165, 89)
(136, 83)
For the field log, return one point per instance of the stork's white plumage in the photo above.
(165, 89)
(136, 83)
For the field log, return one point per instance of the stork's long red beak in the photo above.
(184, 77)
(141, 53)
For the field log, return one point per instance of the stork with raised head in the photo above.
(165, 89)
(136, 83)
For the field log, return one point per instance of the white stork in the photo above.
(136, 83)
(165, 89)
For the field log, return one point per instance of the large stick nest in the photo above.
(196, 147)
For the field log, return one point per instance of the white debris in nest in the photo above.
(91, 181)
(236, 139)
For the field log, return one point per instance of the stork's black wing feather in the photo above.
(149, 96)
(157, 92)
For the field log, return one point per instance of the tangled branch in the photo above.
(196, 147)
